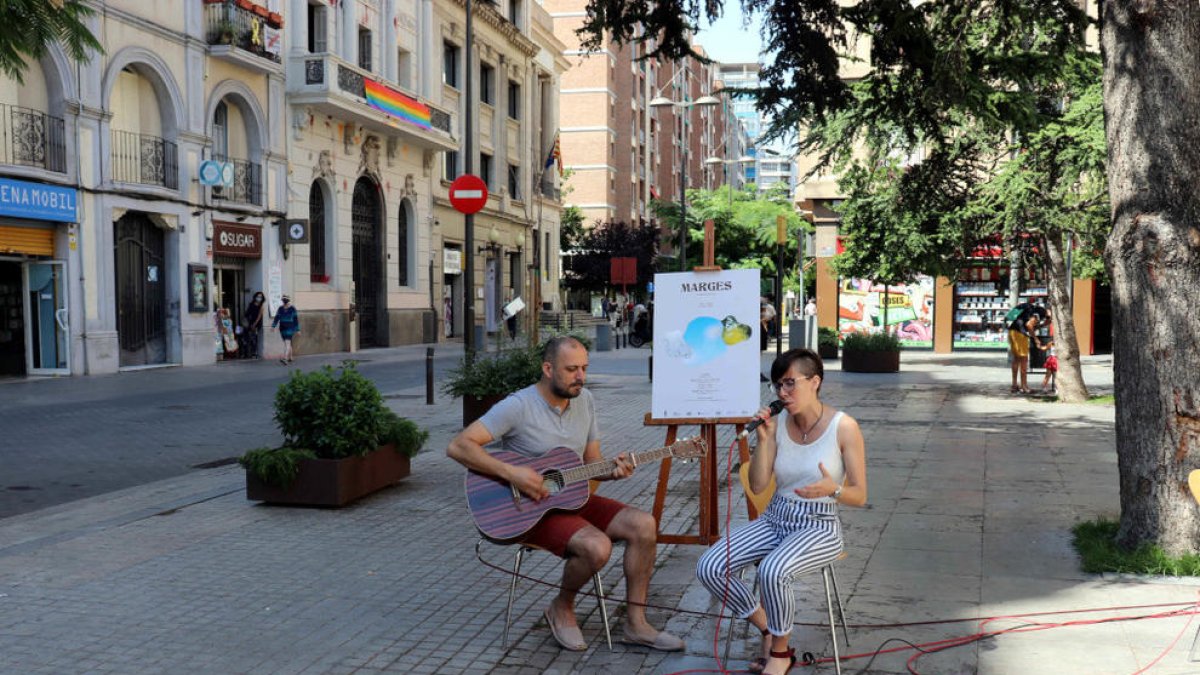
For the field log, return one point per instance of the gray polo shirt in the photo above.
(527, 425)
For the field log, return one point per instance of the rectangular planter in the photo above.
(854, 361)
(334, 482)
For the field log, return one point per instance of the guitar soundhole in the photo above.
(553, 481)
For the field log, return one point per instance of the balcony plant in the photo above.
(871, 353)
(487, 379)
(225, 33)
(827, 343)
(340, 442)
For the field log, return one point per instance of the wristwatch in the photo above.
(837, 493)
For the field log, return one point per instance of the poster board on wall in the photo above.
(706, 344)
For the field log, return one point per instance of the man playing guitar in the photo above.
(559, 412)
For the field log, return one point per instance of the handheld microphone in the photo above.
(776, 406)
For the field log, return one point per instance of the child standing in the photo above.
(1051, 370)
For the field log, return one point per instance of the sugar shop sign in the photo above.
(239, 241)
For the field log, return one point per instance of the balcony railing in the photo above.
(247, 183)
(548, 190)
(228, 24)
(32, 138)
(326, 73)
(149, 160)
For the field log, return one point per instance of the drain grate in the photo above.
(404, 396)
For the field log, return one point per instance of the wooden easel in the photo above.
(709, 526)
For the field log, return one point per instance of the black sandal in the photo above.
(760, 664)
(789, 654)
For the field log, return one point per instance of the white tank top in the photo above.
(796, 464)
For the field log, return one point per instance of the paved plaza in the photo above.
(972, 496)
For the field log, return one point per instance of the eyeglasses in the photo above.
(787, 384)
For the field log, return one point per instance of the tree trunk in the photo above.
(1069, 382)
(1151, 54)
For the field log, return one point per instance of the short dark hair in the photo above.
(810, 364)
(553, 345)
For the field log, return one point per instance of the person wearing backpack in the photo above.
(1023, 321)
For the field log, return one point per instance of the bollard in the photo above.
(429, 376)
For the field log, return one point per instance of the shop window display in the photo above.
(981, 301)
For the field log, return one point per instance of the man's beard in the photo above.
(561, 392)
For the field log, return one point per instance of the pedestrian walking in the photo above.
(1048, 384)
(288, 321)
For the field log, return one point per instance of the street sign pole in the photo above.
(468, 167)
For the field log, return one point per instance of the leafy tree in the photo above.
(588, 265)
(570, 228)
(934, 68)
(30, 25)
(743, 225)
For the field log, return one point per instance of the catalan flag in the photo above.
(397, 105)
(555, 156)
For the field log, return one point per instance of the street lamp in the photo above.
(714, 161)
(662, 102)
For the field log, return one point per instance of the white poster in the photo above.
(706, 356)
(275, 286)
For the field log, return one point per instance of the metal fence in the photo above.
(149, 160)
(32, 138)
(228, 24)
(247, 182)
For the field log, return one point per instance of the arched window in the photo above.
(402, 233)
(316, 233)
(221, 132)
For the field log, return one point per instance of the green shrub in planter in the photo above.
(275, 466)
(334, 414)
(871, 342)
(328, 414)
(501, 373)
(405, 433)
(827, 337)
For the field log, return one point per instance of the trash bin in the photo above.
(603, 337)
(797, 336)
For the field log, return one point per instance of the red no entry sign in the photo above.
(468, 194)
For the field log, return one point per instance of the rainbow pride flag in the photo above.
(396, 104)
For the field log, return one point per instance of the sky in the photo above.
(727, 41)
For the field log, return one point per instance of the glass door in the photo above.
(46, 327)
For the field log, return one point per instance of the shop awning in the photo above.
(27, 240)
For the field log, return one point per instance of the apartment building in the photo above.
(621, 150)
(219, 149)
(130, 181)
(377, 103)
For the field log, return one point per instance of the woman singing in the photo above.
(817, 458)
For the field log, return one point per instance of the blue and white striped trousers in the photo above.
(791, 538)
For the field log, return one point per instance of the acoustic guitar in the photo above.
(503, 514)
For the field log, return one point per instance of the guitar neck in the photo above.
(605, 466)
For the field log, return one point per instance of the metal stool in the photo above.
(512, 592)
(828, 575)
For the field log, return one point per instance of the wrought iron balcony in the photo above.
(247, 182)
(32, 138)
(328, 83)
(227, 23)
(548, 190)
(149, 160)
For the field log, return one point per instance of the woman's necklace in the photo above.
(817, 421)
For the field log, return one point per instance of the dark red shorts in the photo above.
(556, 529)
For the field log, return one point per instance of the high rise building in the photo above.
(621, 151)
